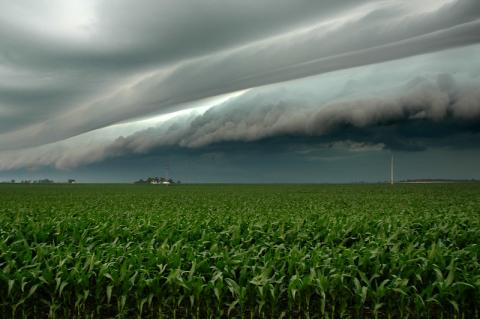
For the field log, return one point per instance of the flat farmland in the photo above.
(244, 251)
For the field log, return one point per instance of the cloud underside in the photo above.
(126, 65)
(430, 101)
(361, 76)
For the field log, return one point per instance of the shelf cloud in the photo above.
(369, 74)
(430, 109)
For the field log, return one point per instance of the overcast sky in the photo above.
(239, 91)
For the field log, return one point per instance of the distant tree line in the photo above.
(27, 181)
(38, 181)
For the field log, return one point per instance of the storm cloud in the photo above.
(411, 107)
(83, 81)
(119, 61)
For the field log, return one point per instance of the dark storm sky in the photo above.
(239, 91)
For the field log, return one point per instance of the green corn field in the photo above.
(240, 251)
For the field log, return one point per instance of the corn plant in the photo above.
(243, 251)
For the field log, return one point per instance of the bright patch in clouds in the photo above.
(75, 17)
(57, 18)
(198, 108)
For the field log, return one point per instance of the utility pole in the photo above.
(167, 169)
(391, 170)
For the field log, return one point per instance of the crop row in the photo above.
(240, 251)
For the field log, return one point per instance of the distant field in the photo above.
(318, 251)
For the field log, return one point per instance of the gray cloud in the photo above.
(272, 116)
(429, 110)
(132, 60)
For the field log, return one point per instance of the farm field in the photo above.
(244, 251)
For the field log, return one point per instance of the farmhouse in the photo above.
(156, 181)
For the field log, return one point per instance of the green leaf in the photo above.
(450, 277)
(62, 286)
(364, 294)
(32, 291)
(109, 293)
(10, 285)
(455, 305)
